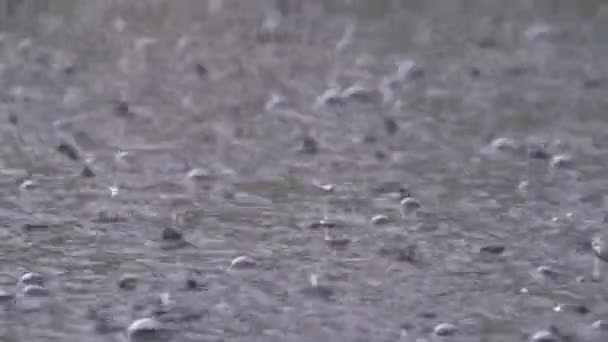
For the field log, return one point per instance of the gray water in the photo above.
(148, 90)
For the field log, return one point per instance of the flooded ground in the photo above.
(146, 145)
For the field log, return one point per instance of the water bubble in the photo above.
(599, 247)
(445, 329)
(324, 223)
(359, 92)
(201, 70)
(275, 100)
(198, 174)
(475, 72)
(28, 184)
(331, 97)
(575, 308)
(492, 249)
(523, 187)
(35, 226)
(326, 187)
(193, 284)
(547, 271)
(164, 299)
(33, 291)
(399, 253)
(562, 161)
(600, 250)
(309, 146)
(128, 282)
(539, 30)
(593, 83)
(13, 119)
(538, 152)
(145, 329)
(86, 172)
(30, 278)
(114, 190)
(407, 68)
(504, 144)
(242, 262)
(171, 234)
(122, 109)
(347, 36)
(119, 25)
(390, 126)
(317, 289)
(124, 157)
(215, 6)
(380, 219)
(5, 296)
(336, 242)
(600, 324)
(408, 205)
(68, 150)
(544, 336)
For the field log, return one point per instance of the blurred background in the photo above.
(146, 144)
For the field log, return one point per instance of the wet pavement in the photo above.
(303, 171)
